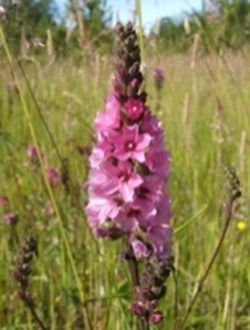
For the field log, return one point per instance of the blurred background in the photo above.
(70, 25)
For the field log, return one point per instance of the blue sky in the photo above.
(152, 10)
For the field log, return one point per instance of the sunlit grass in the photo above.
(201, 140)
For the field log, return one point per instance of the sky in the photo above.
(152, 10)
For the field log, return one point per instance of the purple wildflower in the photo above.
(129, 164)
(32, 153)
(129, 170)
(134, 109)
(10, 218)
(140, 249)
(53, 176)
(4, 201)
(158, 78)
(156, 318)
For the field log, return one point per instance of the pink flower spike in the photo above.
(128, 179)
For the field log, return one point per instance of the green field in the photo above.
(206, 118)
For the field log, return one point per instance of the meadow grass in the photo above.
(205, 114)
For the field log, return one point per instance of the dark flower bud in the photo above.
(128, 56)
(156, 317)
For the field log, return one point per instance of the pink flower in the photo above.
(122, 177)
(156, 317)
(140, 249)
(110, 118)
(160, 235)
(159, 72)
(152, 126)
(134, 109)
(101, 209)
(138, 309)
(32, 153)
(53, 176)
(10, 218)
(158, 78)
(128, 218)
(4, 200)
(157, 160)
(129, 165)
(131, 145)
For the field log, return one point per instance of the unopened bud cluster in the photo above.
(233, 183)
(23, 268)
(152, 288)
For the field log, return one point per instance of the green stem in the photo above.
(139, 15)
(211, 262)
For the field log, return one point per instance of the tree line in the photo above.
(86, 24)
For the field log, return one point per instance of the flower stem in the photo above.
(145, 324)
(134, 271)
(229, 214)
(31, 307)
(139, 15)
(133, 267)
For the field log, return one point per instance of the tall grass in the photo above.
(205, 110)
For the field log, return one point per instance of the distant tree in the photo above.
(28, 19)
(220, 24)
(92, 20)
(97, 16)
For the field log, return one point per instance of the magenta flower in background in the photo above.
(10, 218)
(2, 10)
(32, 153)
(4, 201)
(129, 170)
(158, 78)
(84, 150)
(53, 176)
